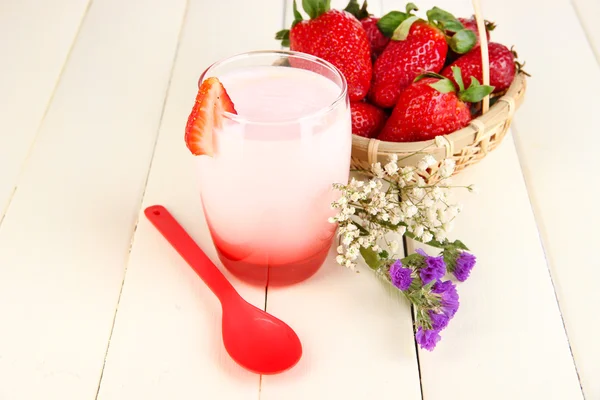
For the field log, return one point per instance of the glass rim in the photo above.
(296, 54)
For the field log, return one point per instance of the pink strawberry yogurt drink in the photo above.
(267, 191)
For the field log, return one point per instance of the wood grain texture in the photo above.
(65, 239)
(556, 141)
(167, 336)
(34, 48)
(356, 331)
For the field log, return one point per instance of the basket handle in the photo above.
(483, 44)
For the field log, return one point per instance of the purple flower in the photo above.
(400, 276)
(464, 264)
(449, 297)
(434, 268)
(438, 321)
(427, 339)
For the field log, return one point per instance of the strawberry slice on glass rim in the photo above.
(211, 102)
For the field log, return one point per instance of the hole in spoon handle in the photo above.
(168, 226)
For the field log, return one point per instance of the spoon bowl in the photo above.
(252, 337)
(259, 341)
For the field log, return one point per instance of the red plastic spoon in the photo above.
(253, 338)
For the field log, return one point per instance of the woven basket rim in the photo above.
(506, 104)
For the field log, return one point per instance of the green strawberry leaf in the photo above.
(453, 26)
(458, 77)
(476, 92)
(411, 7)
(390, 21)
(314, 8)
(436, 14)
(297, 15)
(401, 33)
(356, 10)
(443, 86)
(371, 257)
(284, 36)
(463, 41)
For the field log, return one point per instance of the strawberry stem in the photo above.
(476, 92)
(356, 10)
(297, 15)
(473, 94)
(458, 77)
(315, 8)
(463, 39)
(390, 22)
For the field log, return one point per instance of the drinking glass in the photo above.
(267, 191)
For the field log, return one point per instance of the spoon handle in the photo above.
(168, 226)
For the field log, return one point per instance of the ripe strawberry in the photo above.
(336, 36)
(416, 46)
(377, 40)
(206, 116)
(367, 120)
(502, 66)
(402, 61)
(430, 107)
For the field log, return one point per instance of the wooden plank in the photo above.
(65, 239)
(34, 48)
(357, 331)
(556, 141)
(588, 11)
(167, 336)
(507, 340)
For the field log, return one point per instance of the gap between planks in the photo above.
(132, 240)
(585, 32)
(43, 118)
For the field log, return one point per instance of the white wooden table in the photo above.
(94, 304)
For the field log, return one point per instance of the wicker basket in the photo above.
(466, 146)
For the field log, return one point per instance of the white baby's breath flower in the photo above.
(395, 219)
(377, 170)
(440, 236)
(426, 162)
(418, 192)
(349, 264)
(391, 168)
(355, 197)
(352, 253)
(340, 249)
(376, 248)
(401, 230)
(340, 259)
(427, 237)
(447, 168)
(347, 239)
(394, 246)
(411, 211)
(332, 220)
(418, 230)
(393, 158)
